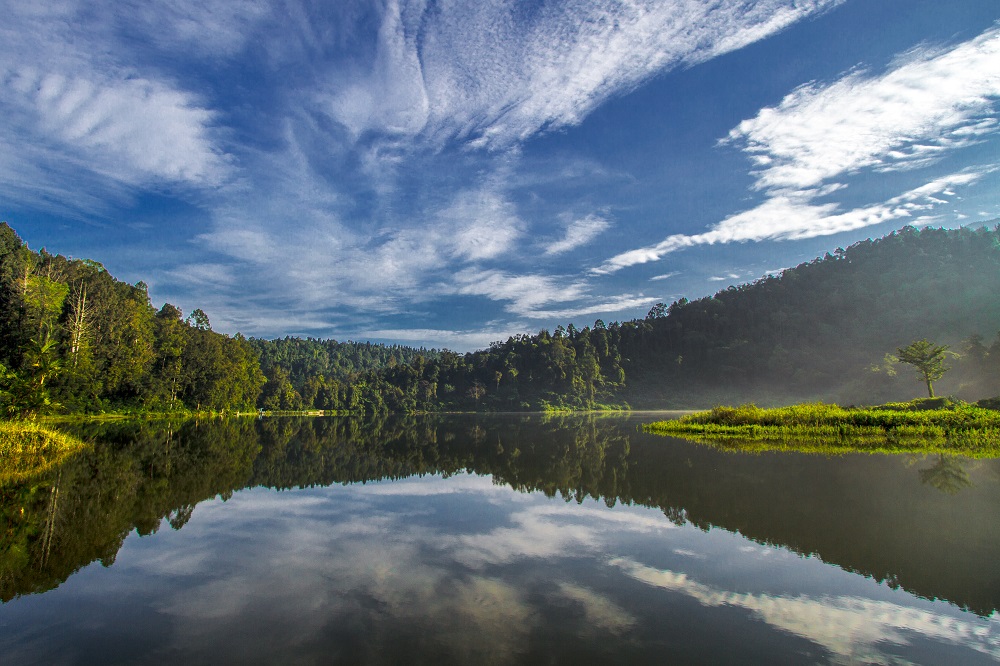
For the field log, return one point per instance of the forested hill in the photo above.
(816, 329)
(814, 332)
(74, 339)
(319, 374)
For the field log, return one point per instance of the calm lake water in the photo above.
(492, 540)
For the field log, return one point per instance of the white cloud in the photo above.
(213, 275)
(302, 254)
(618, 304)
(532, 296)
(547, 530)
(578, 233)
(598, 610)
(481, 72)
(392, 98)
(78, 114)
(477, 225)
(130, 129)
(932, 101)
(524, 293)
(790, 217)
(210, 27)
(929, 103)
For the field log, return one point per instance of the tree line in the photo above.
(74, 339)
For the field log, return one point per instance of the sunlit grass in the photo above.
(27, 449)
(945, 427)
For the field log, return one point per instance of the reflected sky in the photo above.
(460, 570)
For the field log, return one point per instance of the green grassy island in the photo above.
(929, 425)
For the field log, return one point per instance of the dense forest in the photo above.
(74, 339)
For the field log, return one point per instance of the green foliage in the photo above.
(812, 332)
(75, 339)
(928, 360)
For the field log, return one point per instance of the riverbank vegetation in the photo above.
(931, 425)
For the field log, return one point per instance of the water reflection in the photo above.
(853, 629)
(948, 475)
(467, 570)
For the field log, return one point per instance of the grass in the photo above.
(28, 449)
(922, 426)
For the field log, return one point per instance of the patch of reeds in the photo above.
(28, 449)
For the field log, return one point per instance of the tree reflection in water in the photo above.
(864, 513)
(947, 475)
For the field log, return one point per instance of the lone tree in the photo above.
(927, 358)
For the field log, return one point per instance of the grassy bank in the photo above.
(940, 426)
(28, 448)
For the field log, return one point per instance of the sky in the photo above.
(447, 173)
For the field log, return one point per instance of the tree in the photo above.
(657, 311)
(476, 392)
(198, 319)
(927, 358)
(77, 322)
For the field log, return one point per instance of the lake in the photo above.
(502, 539)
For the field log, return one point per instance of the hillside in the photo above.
(813, 332)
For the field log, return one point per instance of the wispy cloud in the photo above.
(523, 293)
(485, 73)
(208, 27)
(309, 253)
(622, 303)
(599, 611)
(578, 233)
(791, 217)
(75, 108)
(532, 296)
(929, 103)
(130, 129)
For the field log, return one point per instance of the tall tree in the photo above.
(927, 358)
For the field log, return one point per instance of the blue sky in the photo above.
(448, 173)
